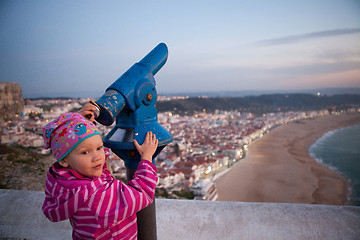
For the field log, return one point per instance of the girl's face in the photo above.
(87, 158)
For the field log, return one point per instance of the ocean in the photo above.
(340, 150)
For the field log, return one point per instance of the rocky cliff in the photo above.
(11, 100)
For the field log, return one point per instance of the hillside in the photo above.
(11, 100)
(262, 104)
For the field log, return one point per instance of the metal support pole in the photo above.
(146, 218)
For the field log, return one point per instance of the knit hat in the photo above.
(66, 132)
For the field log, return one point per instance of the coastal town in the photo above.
(204, 146)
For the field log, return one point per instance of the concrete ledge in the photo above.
(21, 217)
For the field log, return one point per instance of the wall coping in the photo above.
(21, 217)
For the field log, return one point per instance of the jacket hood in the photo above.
(66, 191)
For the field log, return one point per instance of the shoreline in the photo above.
(278, 167)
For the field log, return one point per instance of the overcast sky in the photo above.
(81, 47)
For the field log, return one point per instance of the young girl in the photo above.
(80, 188)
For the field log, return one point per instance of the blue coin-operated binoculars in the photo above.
(130, 100)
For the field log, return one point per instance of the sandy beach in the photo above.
(278, 167)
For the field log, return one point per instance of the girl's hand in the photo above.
(87, 111)
(148, 148)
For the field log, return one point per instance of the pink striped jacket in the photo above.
(100, 207)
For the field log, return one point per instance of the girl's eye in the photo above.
(84, 152)
(99, 148)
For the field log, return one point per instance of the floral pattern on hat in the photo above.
(67, 131)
